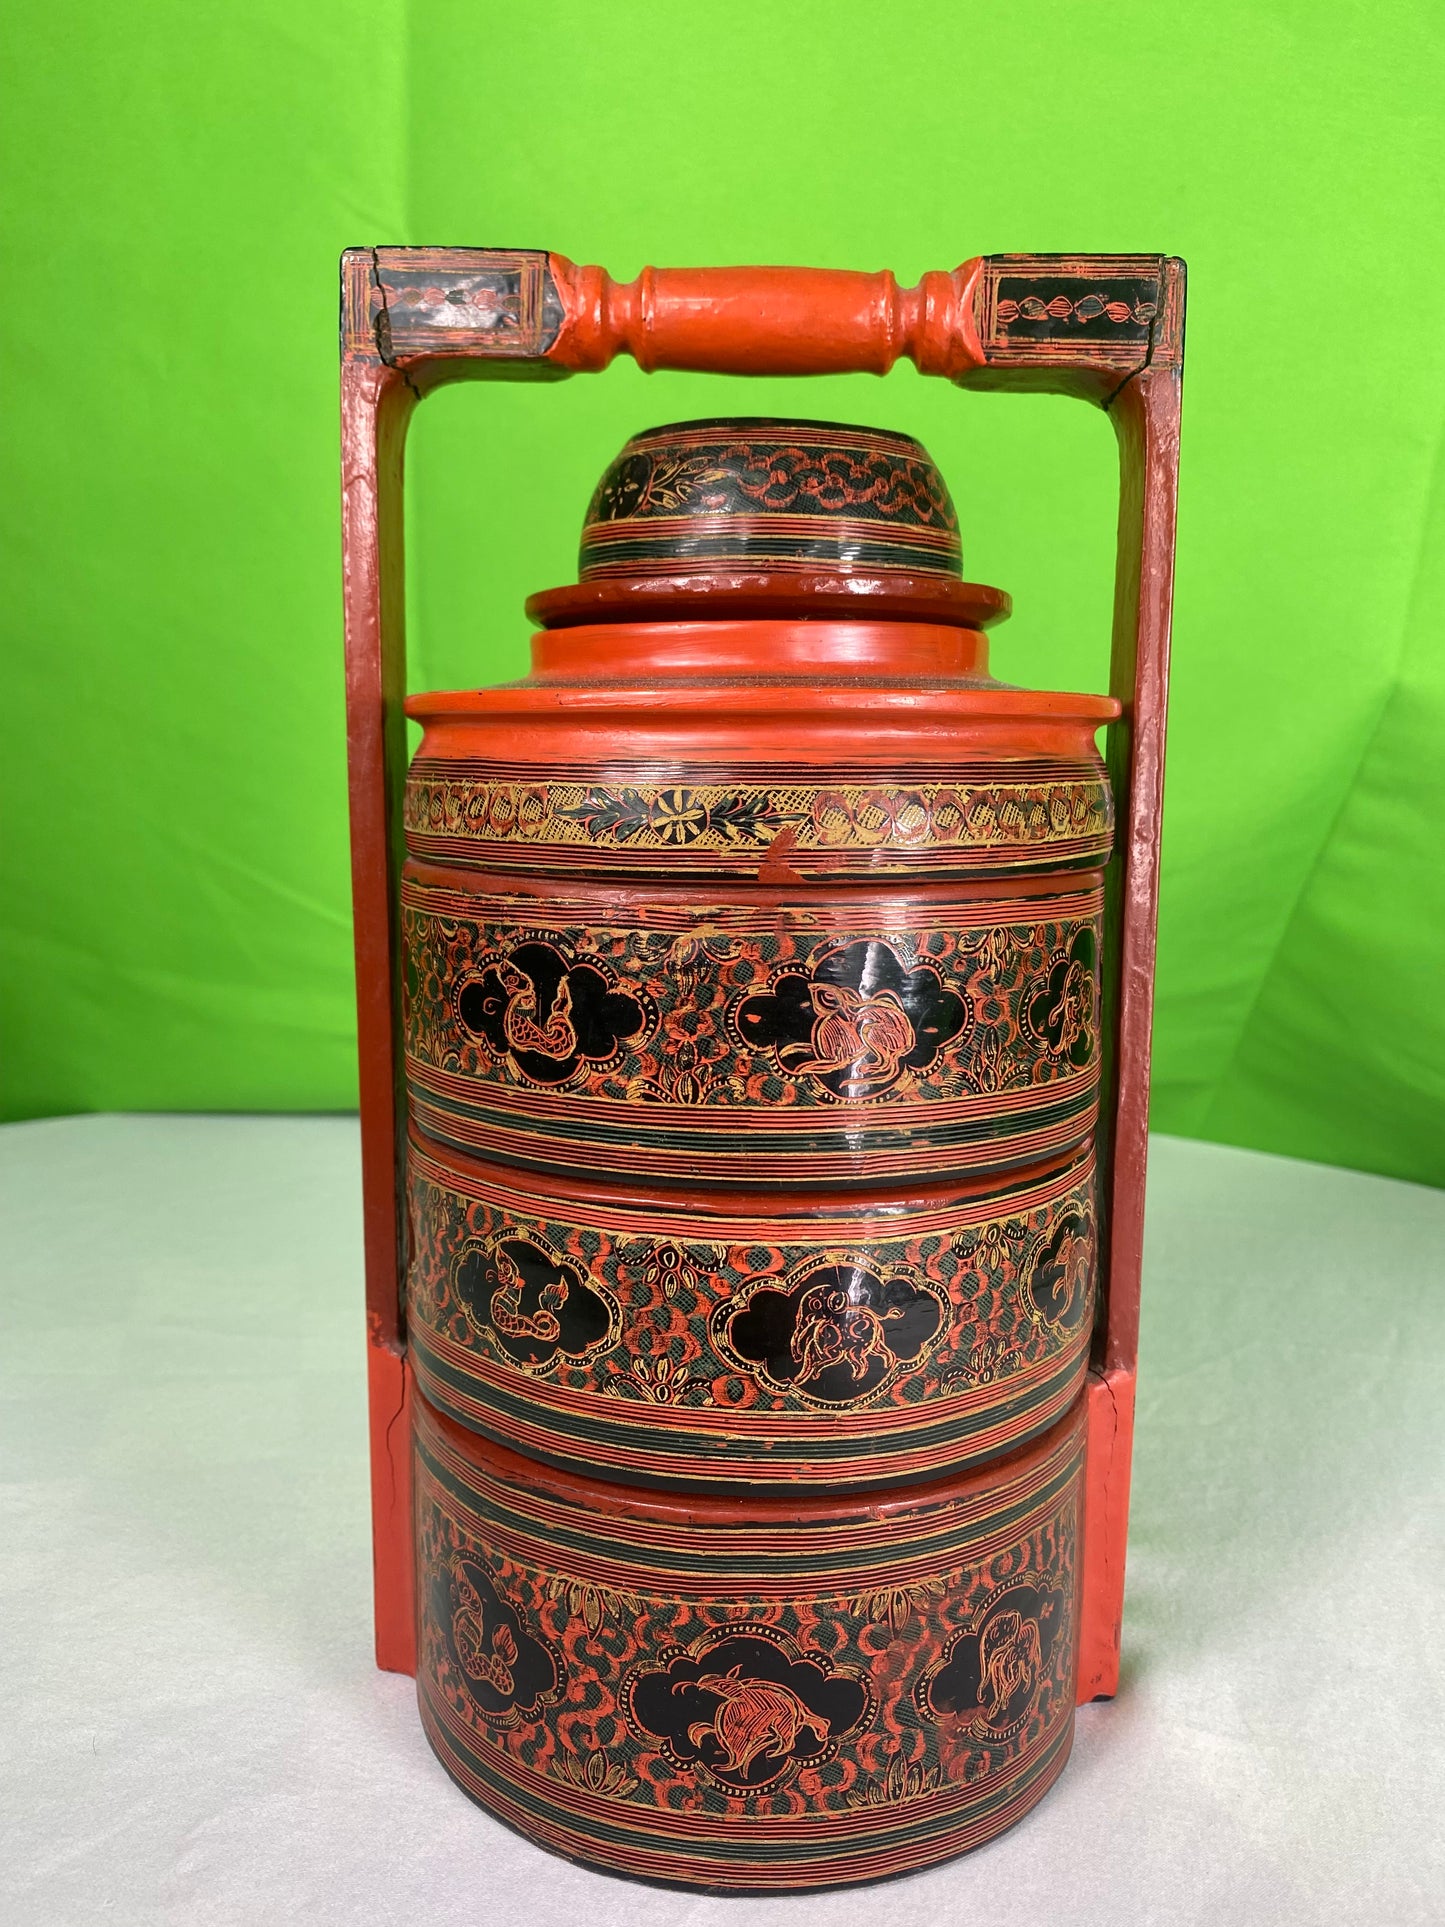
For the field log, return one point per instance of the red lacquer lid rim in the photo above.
(743, 593)
(762, 697)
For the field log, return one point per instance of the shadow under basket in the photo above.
(744, 1692)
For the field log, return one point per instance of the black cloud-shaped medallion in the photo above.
(547, 1013)
(534, 1303)
(506, 1672)
(746, 1707)
(990, 1676)
(856, 1022)
(836, 1334)
(1062, 1015)
(1061, 1275)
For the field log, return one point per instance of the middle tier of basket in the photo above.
(715, 1337)
(749, 1036)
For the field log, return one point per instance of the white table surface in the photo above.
(193, 1732)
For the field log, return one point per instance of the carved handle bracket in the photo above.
(1086, 322)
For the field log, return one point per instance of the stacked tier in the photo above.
(752, 1042)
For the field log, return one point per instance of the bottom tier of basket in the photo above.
(743, 1692)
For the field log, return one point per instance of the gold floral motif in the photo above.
(900, 1781)
(896, 1604)
(994, 1243)
(986, 1362)
(989, 1063)
(661, 1381)
(993, 948)
(593, 1604)
(678, 817)
(596, 1774)
(1029, 814)
(668, 1266)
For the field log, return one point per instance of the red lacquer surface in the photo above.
(748, 1693)
(1107, 329)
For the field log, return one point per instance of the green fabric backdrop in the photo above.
(180, 181)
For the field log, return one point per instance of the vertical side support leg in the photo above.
(1146, 418)
(1109, 1448)
(376, 403)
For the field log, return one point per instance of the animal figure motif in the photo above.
(1074, 1260)
(557, 1038)
(831, 1330)
(489, 1663)
(507, 1315)
(757, 1717)
(867, 1037)
(1074, 1006)
(1010, 1659)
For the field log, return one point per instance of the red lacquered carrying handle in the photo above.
(1083, 323)
(768, 321)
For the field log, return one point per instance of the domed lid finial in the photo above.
(782, 497)
(752, 517)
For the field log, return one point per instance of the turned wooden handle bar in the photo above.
(768, 321)
(1076, 324)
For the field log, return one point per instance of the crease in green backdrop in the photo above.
(174, 925)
